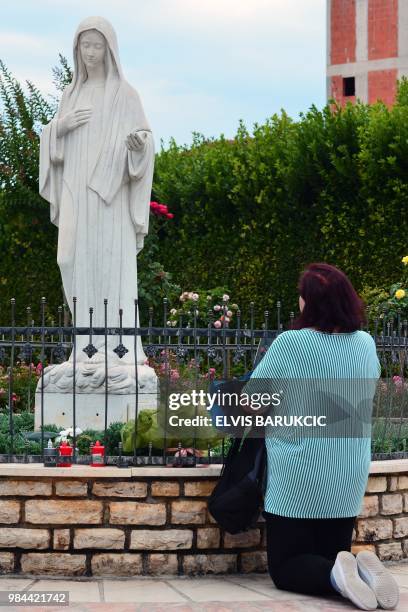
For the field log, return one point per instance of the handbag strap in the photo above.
(233, 451)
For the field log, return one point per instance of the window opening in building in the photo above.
(349, 86)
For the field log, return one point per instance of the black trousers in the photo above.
(302, 552)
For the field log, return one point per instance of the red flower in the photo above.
(160, 210)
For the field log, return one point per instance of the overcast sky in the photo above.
(199, 65)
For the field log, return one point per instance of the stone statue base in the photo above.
(90, 393)
(89, 409)
(90, 378)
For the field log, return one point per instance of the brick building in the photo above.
(367, 49)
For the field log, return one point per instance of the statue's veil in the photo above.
(114, 74)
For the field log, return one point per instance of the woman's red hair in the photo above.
(331, 302)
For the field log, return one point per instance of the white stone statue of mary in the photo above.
(96, 169)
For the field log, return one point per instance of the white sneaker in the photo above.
(379, 579)
(349, 583)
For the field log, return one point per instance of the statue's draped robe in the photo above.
(99, 193)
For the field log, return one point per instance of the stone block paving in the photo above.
(244, 593)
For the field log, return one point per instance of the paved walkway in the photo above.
(216, 594)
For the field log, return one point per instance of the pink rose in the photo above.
(164, 368)
(397, 380)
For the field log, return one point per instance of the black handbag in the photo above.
(235, 502)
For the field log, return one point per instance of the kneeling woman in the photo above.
(316, 482)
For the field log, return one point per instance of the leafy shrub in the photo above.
(251, 212)
(25, 379)
(390, 305)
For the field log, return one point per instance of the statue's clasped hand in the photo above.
(70, 121)
(136, 141)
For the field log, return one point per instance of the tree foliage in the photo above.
(28, 240)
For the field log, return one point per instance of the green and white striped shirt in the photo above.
(317, 476)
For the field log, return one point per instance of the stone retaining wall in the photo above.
(383, 523)
(152, 526)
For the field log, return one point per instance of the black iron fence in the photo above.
(178, 350)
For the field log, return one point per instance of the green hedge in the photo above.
(251, 212)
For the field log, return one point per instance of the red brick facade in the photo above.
(382, 29)
(382, 85)
(343, 31)
(363, 54)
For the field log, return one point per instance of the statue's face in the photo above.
(92, 46)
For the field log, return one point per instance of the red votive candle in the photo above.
(98, 455)
(65, 454)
